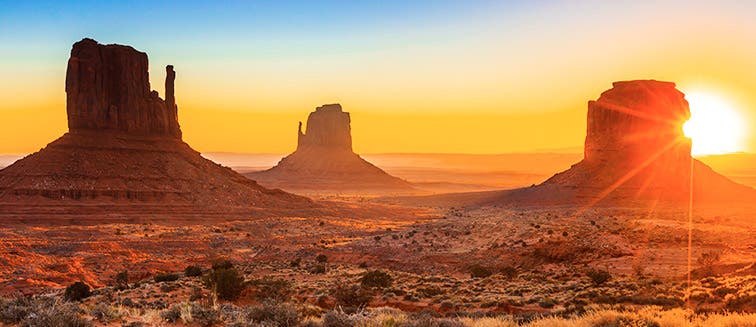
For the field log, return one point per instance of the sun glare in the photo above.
(715, 126)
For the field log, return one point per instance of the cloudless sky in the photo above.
(417, 76)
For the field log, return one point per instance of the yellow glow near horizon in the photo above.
(715, 126)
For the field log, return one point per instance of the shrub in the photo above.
(103, 313)
(321, 258)
(268, 314)
(295, 263)
(222, 264)
(352, 297)
(598, 276)
(707, 261)
(318, 269)
(167, 277)
(77, 292)
(16, 310)
(508, 271)
(53, 314)
(376, 279)
(479, 271)
(121, 280)
(227, 283)
(192, 271)
(269, 289)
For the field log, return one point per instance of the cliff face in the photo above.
(635, 151)
(328, 127)
(108, 88)
(635, 120)
(124, 149)
(324, 160)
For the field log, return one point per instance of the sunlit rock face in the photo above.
(636, 120)
(324, 160)
(124, 149)
(108, 88)
(635, 151)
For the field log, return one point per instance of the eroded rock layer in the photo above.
(124, 151)
(324, 160)
(635, 150)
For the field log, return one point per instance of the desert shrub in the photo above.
(103, 313)
(376, 279)
(222, 264)
(598, 276)
(172, 314)
(508, 271)
(121, 280)
(707, 261)
(317, 269)
(724, 290)
(204, 316)
(321, 258)
(77, 292)
(546, 303)
(227, 283)
(270, 289)
(192, 271)
(191, 313)
(15, 310)
(270, 314)
(352, 297)
(167, 277)
(51, 313)
(295, 263)
(479, 271)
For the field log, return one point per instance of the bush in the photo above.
(318, 269)
(508, 271)
(598, 276)
(121, 280)
(227, 283)
(192, 271)
(222, 264)
(352, 297)
(321, 258)
(376, 279)
(478, 271)
(103, 313)
(77, 292)
(269, 289)
(52, 314)
(268, 314)
(707, 261)
(159, 278)
(16, 310)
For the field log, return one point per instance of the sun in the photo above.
(715, 126)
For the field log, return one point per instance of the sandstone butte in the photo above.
(324, 159)
(123, 154)
(635, 151)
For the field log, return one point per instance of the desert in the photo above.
(140, 210)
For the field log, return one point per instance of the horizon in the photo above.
(419, 70)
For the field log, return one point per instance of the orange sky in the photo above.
(491, 81)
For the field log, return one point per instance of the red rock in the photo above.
(635, 151)
(324, 160)
(108, 88)
(123, 154)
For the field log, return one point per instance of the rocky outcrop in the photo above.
(328, 127)
(635, 151)
(324, 160)
(124, 153)
(108, 88)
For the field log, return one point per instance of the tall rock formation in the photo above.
(124, 154)
(324, 160)
(635, 151)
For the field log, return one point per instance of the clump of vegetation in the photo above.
(77, 292)
(222, 264)
(268, 314)
(479, 271)
(707, 261)
(317, 269)
(167, 277)
(103, 313)
(121, 281)
(191, 313)
(272, 290)
(321, 258)
(295, 263)
(227, 283)
(41, 312)
(376, 279)
(192, 271)
(352, 297)
(598, 276)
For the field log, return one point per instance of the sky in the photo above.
(417, 76)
